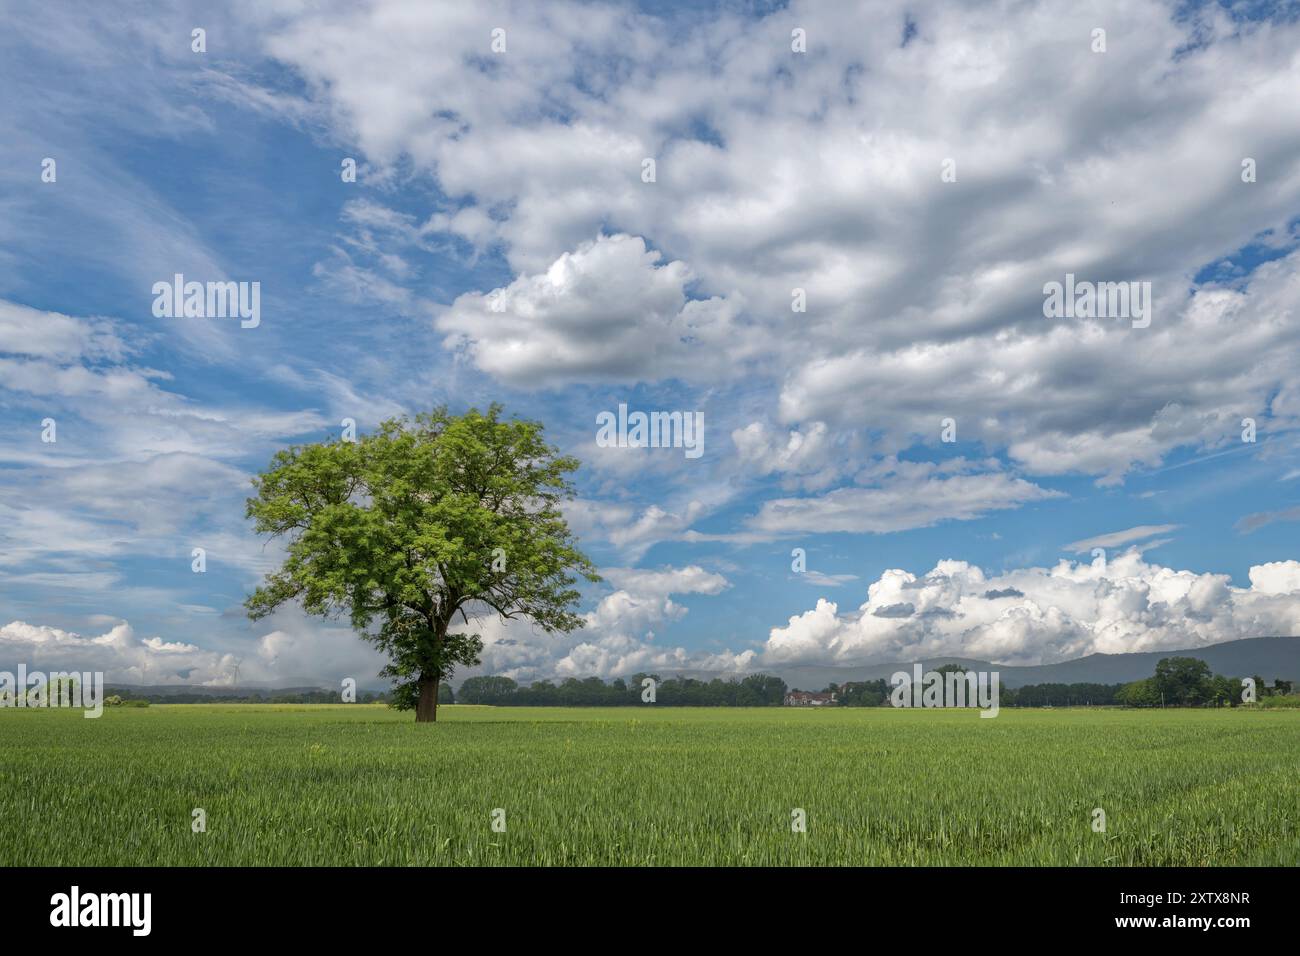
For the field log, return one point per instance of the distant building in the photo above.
(802, 698)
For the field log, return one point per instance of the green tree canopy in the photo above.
(486, 690)
(1183, 680)
(416, 523)
(1140, 693)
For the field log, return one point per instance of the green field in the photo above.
(359, 784)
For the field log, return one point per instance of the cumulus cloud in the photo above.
(118, 653)
(1025, 616)
(1041, 615)
(1276, 577)
(808, 459)
(618, 637)
(609, 311)
(1041, 394)
(297, 649)
(643, 599)
(821, 173)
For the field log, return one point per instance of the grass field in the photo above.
(359, 784)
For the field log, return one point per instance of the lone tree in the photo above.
(422, 520)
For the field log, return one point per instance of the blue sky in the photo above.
(500, 244)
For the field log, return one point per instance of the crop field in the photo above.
(341, 785)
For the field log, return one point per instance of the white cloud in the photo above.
(117, 652)
(311, 651)
(820, 579)
(57, 337)
(897, 503)
(296, 649)
(1024, 616)
(628, 531)
(136, 470)
(775, 172)
(821, 172)
(1276, 577)
(609, 311)
(1042, 615)
(1256, 520)
(809, 459)
(689, 580)
(618, 637)
(1116, 539)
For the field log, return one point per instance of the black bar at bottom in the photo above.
(923, 906)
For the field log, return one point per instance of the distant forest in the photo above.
(1177, 682)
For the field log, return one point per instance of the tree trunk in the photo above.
(426, 709)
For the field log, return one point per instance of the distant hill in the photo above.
(1269, 657)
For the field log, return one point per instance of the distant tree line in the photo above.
(1177, 682)
(757, 690)
(877, 693)
(1188, 682)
